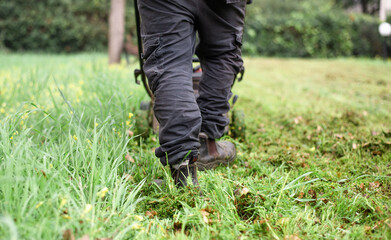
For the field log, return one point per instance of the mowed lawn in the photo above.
(316, 162)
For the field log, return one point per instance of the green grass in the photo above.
(315, 164)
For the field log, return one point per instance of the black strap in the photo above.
(140, 72)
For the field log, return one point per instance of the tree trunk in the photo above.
(116, 30)
(383, 10)
(364, 6)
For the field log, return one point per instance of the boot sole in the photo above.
(213, 164)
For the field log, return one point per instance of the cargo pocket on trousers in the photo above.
(239, 39)
(238, 51)
(238, 45)
(152, 60)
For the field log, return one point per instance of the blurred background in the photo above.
(283, 28)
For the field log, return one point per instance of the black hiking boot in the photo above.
(181, 172)
(213, 154)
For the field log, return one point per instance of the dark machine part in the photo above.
(196, 82)
(237, 126)
(140, 72)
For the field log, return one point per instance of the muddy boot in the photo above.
(214, 153)
(180, 172)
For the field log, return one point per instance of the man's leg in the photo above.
(169, 37)
(220, 31)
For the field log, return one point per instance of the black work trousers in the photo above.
(169, 30)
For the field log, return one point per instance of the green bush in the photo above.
(56, 25)
(365, 36)
(308, 29)
(53, 25)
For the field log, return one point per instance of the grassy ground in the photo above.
(315, 164)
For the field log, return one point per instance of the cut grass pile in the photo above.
(315, 164)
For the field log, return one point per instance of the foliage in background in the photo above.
(365, 36)
(309, 29)
(367, 6)
(56, 25)
(303, 28)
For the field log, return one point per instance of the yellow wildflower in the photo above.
(63, 202)
(96, 124)
(38, 205)
(136, 226)
(66, 216)
(130, 115)
(87, 209)
(74, 137)
(102, 193)
(138, 217)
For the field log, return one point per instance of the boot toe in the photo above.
(229, 150)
